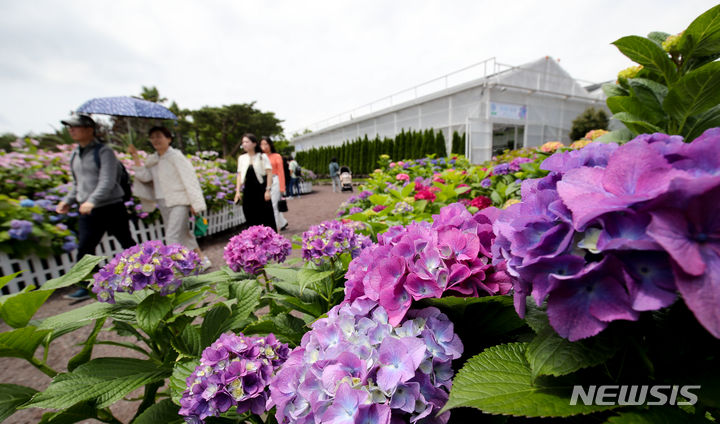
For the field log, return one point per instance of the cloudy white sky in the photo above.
(304, 60)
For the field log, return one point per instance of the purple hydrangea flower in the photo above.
(149, 265)
(329, 240)
(501, 169)
(614, 231)
(426, 260)
(354, 210)
(486, 183)
(353, 366)
(515, 163)
(402, 207)
(20, 229)
(254, 248)
(233, 371)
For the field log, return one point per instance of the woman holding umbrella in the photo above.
(176, 187)
(254, 183)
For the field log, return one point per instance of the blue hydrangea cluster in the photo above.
(613, 231)
(252, 249)
(233, 371)
(330, 239)
(402, 207)
(355, 367)
(149, 265)
(20, 229)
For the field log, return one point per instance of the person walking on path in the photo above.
(176, 189)
(254, 183)
(334, 174)
(295, 172)
(278, 179)
(96, 187)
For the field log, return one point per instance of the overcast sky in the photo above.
(304, 60)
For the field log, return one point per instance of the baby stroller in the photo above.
(345, 179)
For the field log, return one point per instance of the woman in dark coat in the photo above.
(253, 185)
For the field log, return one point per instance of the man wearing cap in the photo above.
(97, 190)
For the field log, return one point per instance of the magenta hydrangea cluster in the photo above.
(148, 265)
(355, 367)
(613, 231)
(330, 239)
(252, 249)
(233, 371)
(423, 260)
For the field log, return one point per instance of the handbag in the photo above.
(201, 226)
(282, 205)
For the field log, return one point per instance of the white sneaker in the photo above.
(205, 264)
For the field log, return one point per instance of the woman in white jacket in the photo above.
(176, 187)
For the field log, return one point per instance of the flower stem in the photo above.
(42, 366)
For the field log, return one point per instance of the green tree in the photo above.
(590, 119)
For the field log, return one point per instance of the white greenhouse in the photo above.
(507, 107)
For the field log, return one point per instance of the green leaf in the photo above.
(499, 381)
(308, 277)
(550, 354)
(310, 308)
(285, 327)
(79, 272)
(213, 324)
(694, 93)
(85, 313)
(658, 37)
(247, 293)
(76, 413)
(407, 190)
(12, 396)
(649, 55)
(151, 311)
(84, 355)
(702, 36)
(21, 343)
(103, 380)
(282, 273)
(656, 415)
(17, 309)
(188, 342)
(7, 278)
(379, 199)
(612, 90)
(459, 304)
(162, 412)
(181, 372)
(307, 295)
(616, 136)
(650, 93)
(699, 124)
(640, 125)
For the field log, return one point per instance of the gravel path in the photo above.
(309, 209)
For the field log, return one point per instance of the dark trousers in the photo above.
(112, 219)
(294, 186)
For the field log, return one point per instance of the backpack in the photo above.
(298, 171)
(124, 175)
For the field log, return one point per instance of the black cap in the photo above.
(79, 121)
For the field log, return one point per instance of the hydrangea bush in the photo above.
(617, 230)
(234, 372)
(253, 248)
(328, 240)
(354, 366)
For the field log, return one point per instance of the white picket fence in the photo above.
(37, 271)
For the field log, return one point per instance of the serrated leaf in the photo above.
(151, 311)
(702, 36)
(499, 381)
(701, 123)
(307, 295)
(162, 412)
(658, 37)
(694, 93)
(248, 294)
(188, 342)
(312, 309)
(289, 275)
(21, 343)
(7, 278)
(79, 272)
(550, 354)
(89, 312)
(181, 372)
(635, 122)
(648, 54)
(12, 396)
(84, 355)
(309, 277)
(213, 324)
(17, 309)
(285, 327)
(656, 415)
(103, 380)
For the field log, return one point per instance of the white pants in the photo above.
(280, 220)
(176, 220)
